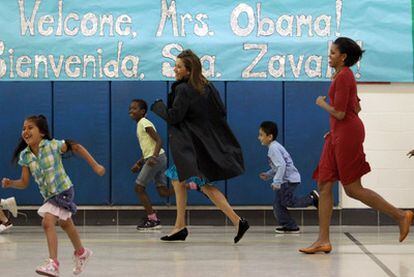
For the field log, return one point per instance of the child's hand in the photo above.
(275, 186)
(137, 166)
(410, 154)
(264, 176)
(5, 183)
(152, 161)
(320, 100)
(99, 169)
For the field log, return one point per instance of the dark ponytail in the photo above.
(349, 47)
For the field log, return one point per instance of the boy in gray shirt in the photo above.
(285, 178)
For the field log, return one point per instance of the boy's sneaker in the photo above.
(4, 226)
(10, 204)
(49, 268)
(148, 224)
(284, 230)
(315, 197)
(81, 261)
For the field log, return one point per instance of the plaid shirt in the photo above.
(47, 168)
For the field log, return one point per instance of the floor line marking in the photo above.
(369, 254)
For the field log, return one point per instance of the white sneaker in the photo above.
(5, 226)
(10, 204)
(81, 261)
(49, 268)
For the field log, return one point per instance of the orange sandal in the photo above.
(312, 250)
(405, 229)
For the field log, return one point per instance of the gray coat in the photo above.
(201, 141)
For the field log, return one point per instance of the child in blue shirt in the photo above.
(285, 178)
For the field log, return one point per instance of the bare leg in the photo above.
(144, 198)
(325, 213)
(221, 202)
(48, 223)
(69, 227)
(373, 200)
(163, 191)
(3, 217)
(181, 200)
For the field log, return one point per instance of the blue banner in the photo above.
(236, 40)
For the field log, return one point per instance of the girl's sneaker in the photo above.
(148, 224)
(4, 226)
(49, 268)
(81, 261)
(10, 204)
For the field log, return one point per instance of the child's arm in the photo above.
(21, 183)
(280, 168)
(137, 166)
(158, 143)
(81, 151)
(267, 175)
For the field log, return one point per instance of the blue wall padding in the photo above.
(96, 115)
(82, 113)
(248, 104)
(19, 100)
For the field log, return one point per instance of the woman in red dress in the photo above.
(343, 155)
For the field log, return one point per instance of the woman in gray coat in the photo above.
(203, 146)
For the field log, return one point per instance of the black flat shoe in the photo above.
(243, 227)
(180, 235)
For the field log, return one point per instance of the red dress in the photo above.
(343, 156)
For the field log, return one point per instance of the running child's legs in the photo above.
(69, 227)
(3, 217)
(292, 201)
(164, 191)
(144, 198)
(161, 181)
(281, 212)
(148, 174)
(49, 227)
(284, 198)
